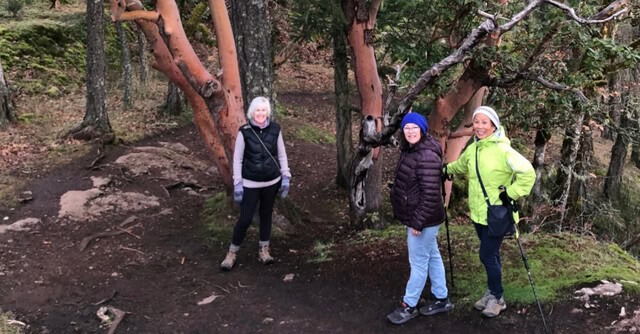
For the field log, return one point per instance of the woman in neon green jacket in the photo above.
(499, 165)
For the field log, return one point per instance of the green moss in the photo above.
(558, 262)
(38, 54)
(5, 328)
(217, 218)
(312, 134)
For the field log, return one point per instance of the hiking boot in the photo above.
(438, 306)
(229, 261)
(482, 302)
(264, 255)
(494, 307)
(402, 314)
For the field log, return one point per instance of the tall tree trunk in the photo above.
(618, 157)
(635, 154)
(174, 103)
(126, 65)
(569, 153)
(365, 192)
(96, 120)
(579, 196)
(6, 110)
(142, 54)
(344, 146)
(542, 139)
(252, 31)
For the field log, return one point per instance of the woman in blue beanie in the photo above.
(416, 198)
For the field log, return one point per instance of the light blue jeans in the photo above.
(425, 261)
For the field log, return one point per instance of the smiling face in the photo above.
(412, 133)
(482, 126)
(260, 114)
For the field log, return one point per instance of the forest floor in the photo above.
(122, 226)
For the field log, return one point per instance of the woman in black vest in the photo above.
(260, 172)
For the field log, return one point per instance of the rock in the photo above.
(21, 225)
(288, 277)
(26, 196)
(267, 320)
(100, 182)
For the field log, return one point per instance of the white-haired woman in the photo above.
(260, 172)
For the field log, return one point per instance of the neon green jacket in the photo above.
(499, 164)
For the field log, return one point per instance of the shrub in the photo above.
(13, 7)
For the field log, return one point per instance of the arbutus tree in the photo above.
(477, 73)
(216, 101)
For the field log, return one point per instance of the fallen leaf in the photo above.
(208, 300)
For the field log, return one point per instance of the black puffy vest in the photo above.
(257, 165)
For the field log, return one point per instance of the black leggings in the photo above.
(250, 198)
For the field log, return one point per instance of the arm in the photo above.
(282, 157)
(524, 172)
(238, 157)
(461, 166)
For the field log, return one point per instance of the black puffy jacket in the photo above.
(257, 163)
(416, 194)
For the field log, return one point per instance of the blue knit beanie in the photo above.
(417, 119)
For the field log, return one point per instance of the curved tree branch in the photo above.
(602, 17)
(510, 82)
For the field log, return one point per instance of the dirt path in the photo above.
(158, 267)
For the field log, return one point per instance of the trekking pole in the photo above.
(533, 287)
(446, 224)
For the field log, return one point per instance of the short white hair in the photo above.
(259, 101)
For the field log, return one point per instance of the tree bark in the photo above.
(618, 157)
(96, 120)
(142, 54)
(174, 103)
(6, 110)
(579, 196)
(569, 153)
(635, 154)
(542, 139)
(252, 31)
(344, 146)
(203, 120)
(365, 189)
(126, 66)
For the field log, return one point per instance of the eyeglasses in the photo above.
(411, 128)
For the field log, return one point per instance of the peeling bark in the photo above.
(202, 118)
(364, 199)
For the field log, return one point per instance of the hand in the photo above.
(444, 174)
(237, 193)
(415, 232)
(504, 197)
(284, 187)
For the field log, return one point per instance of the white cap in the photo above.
(489, 112)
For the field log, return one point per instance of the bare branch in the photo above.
(506, 83)
(601, 17)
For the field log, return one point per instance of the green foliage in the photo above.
(323, 252)
(312, 134)
(217, 217)
(41, 55)
(559, 262)
(13, 7)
